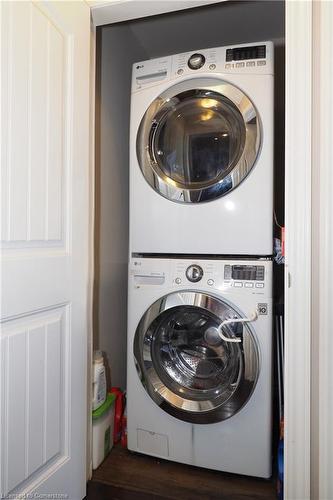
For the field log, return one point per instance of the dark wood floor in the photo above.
(127, 476)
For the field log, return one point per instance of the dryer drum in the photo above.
(185, 367)
(196, 144)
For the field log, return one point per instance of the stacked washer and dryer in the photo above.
(199, 386)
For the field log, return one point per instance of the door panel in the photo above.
(35, 115)
(45, 203)
(186, 367)
(198, 140)
(34, 395)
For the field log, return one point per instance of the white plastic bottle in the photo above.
(99, 380)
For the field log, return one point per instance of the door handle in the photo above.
(253, 317)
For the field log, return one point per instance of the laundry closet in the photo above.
(118, 47)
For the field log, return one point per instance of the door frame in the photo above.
(298, 207)
(298, 268)
(322, 265)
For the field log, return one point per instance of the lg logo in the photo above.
(139, 66)
(262, 309)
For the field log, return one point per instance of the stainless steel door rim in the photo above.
(198, 140)
(183, 364)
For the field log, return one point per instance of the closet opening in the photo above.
(118, 47)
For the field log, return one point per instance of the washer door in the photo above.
(185, 367)
(198, 140)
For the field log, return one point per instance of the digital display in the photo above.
(244, 53)
(248, 273)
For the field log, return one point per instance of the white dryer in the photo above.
(201, 152)
(193, 397)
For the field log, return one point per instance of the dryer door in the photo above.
(198, 140)
(185, 367)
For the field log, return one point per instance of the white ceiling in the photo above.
(114, 11)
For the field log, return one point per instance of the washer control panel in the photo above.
(244, 272)
(249, 276)
(228, 276)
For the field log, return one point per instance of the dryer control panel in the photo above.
(255, 58)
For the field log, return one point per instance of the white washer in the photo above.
(191, 396)
(201, 152)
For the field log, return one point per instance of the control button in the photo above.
(227, 272)
(228, 66)
(210, 282)
(180, 71)
(260, 274)
(194, 273)
(196, 61)
(238, 284)
(178, 281)
(248, 285)
(212, 66)
(240, 65)
(259, 285)
(250, 64)
(261, 63)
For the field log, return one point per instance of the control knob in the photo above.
(196, 61)
(194, 273)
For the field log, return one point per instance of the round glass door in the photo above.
(186, 368)
(197, 144)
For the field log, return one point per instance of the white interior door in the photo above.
(44, 225)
